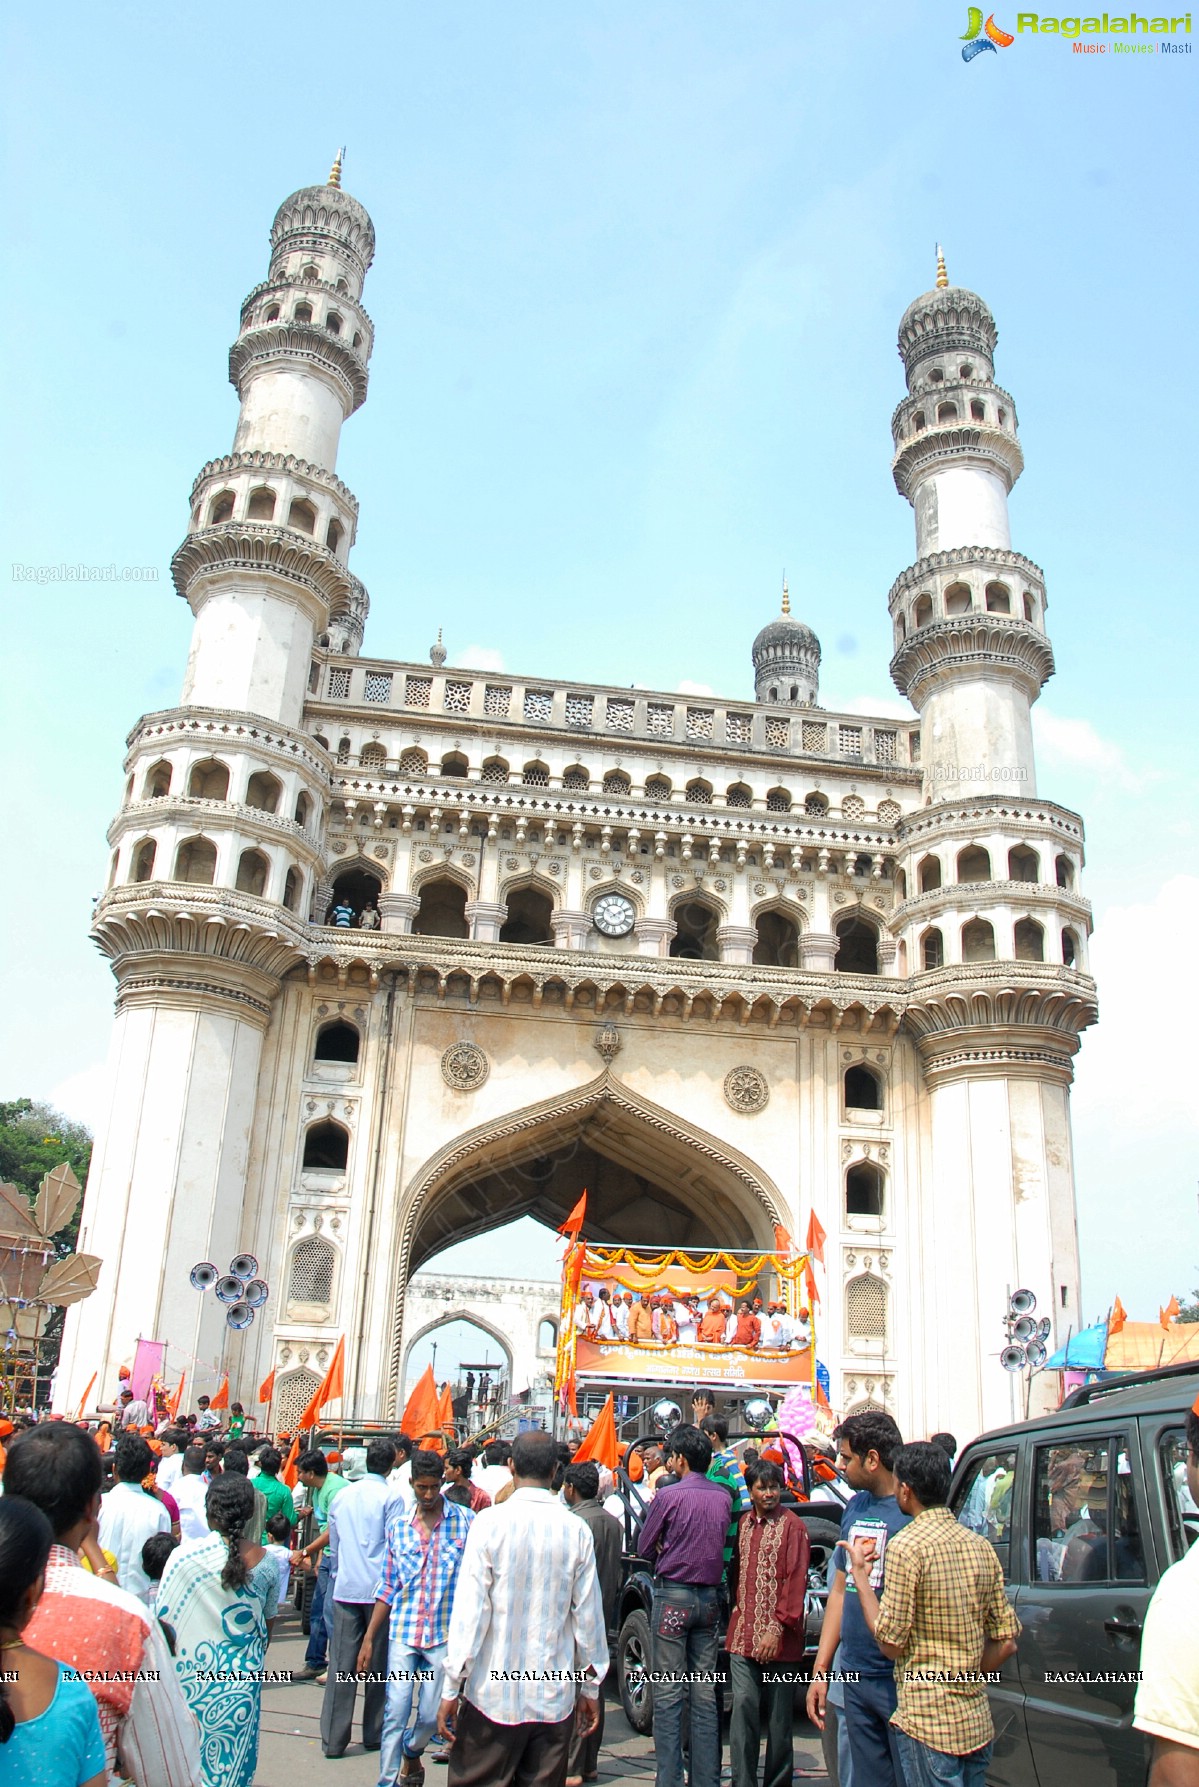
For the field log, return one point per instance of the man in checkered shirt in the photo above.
(946, 1621)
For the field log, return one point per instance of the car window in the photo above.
(983, 1501)
(1182, 1514)
(1086, 1524)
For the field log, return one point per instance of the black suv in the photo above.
(1086, 1508)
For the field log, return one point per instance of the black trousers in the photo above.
(347, 1629)
(484, 1754)
(745, 1731)
(584, 1751)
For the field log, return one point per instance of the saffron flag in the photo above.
(332, 1385)
(782, 1240)
(221, 1399)
(574, 1222)
(600, 1443)
(174, 1404)
(810, 1285)
(289, 1473)
(1117, 1318)
(266, 1388)
(423, 1408)
(1166, 1316)
(84, 1397)
(445, 1415)
(816, 1237)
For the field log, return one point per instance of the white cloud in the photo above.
(83, 1095)
(1075, 744)
(479, 657)
(686, 688)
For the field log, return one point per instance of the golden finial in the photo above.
(942, 275)
(786, 596)
(335, 171)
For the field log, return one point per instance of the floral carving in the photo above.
(745, 1090)
(464, 1067)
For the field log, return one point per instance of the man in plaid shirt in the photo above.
(420, 1569)
(945, 1619)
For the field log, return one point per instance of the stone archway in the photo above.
(652, 1179)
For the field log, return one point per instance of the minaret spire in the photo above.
(335, 171)
(942, 274)
(786, 596)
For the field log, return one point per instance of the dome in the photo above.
(946, 319)
(785, 635)
(326, 211)
(786, 659)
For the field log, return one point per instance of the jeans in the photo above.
(683, 1641)
(873, 1740)
(749, 1683)
(318, 1632)
(411, 1716)
(923, 1767)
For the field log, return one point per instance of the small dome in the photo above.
(786, 632)
(786, 659)
(330, 212)
(947, 318)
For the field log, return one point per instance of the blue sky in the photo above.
(638, 279)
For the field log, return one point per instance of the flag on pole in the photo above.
(1117, 1318)
(84, 1397)
(445, 1414)
(1166, 1316)
(809, 1278)
(332, 1385)
(289, 1473)
(266, 1388)
(221, 1399)
(782, 1240)
(574, 1222)
(174, 1404)
(816, 1237)
(423, 1408)
(600, 1444)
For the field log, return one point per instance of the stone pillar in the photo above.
(654, 936)
(572, 929)
(397, 911)
(736, 942)
(817, 950)
(486, 918)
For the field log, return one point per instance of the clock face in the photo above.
(614, 915)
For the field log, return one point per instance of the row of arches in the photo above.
(976, 941)
(960, 598)
(307, 308)
(260, 505)
(210, 780)
(195, 862)
(973, 864)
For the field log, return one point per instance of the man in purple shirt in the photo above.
(683, 1537)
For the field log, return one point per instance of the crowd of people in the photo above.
(471, 1596)
(665, 1319)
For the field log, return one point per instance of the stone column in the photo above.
(817, 950)
(486, 919)
(397, 911)
(571, 928)
(654, 936)
(736, 942)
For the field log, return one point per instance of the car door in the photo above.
(986, 1499)
(1083, 1607)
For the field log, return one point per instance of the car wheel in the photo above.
(636, 1690)
(823, 1537)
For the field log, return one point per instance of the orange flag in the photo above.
(221, 1399)
(445, 1415)
(782, 1240)
(1117, 1318)
(177, 1398)
(809, 1278)
(266, 1388)
(816, 1237)
(423, 1408)
(574, 1222)
(289, 1474)
(600, 1444)
(84, 1397)
(1166, 1316)
(333, 1384)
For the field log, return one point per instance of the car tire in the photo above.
(823, 1537)
(633, 1659)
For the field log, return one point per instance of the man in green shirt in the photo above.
(277, 1495)
(322, 1485)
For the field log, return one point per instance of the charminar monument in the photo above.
(404, 951)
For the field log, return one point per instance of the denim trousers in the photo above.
(318, 1632)
(683, 1642)
(924, 1767)
(873, 1740)
(410, 1718)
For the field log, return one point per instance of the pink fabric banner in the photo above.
(147, 1364)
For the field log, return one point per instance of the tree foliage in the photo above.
(1189, 1311)
(35, 1137)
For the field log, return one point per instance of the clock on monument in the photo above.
(613, 915)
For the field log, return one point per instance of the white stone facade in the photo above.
(880, 918)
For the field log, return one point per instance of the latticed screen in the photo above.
(413, 763)
(578, 710)
(377, 686)
(457, 698)
(293, 1393)
(616, 783)
(576, 781)
(884, 746)
(700, 721)
(657, 789)
(866, 1307)
(495, 771)
(417, 690)
(738, 729)
(620, 716)
(536, 776)
(311, 1279)
(778, 801)
(372, 754)
(853, 806)
(849, 740)
(660, 720)
(699, 794)
(815, 736)
(539, 704)
(737, 797)
(778, 734)
(339, 685)
(495, 700)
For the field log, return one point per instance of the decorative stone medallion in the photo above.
(464, 1067)
(607, 1042)
(745, 1090)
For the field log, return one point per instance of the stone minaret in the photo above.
(786, 660)
(990, 924)
(216, 849)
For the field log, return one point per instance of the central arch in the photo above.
(652, 1178)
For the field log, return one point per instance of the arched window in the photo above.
(978, 941)
(495, 771)
(777, 944)
(1023, 864)
(158, 781)
(302, 516)
(928, 874)
(1030, 940)
(958, 599)
(863, 1089)
(221, 509)
(413, 762)
(264, 791)
(738, 795)
(343, 750)
(337, 1041)
(815, 806)
(311, 1277)
(901, 881)
(657, 788)
(547, 1334)
(965, 372)
(901, 626)
(303, 809)
(696, 924)
(310, 275)
(699, 793)
(252, 871)
(866, 1307)
(333, 323)
(354, 889)
(303, 313)
(209, 781)
(853, 807)
(999, 598)
(932, 950)
(442, 911)
(293, 883)
(373, 755)
(536, 775)
(271, 314)
(454, 766)
(947, 412)
(1064, 871)
(978, 411)
(918, 421)
(529, 915)
(576, 779)
(143, 860)
(326, 1146)
(334, 534)
(864, 1190)
(974, 864)
(1030, 607)
(857, 947)
(923, 611)
(195, 860)
(616, 783)
(778, 800)
(261, 506)
(1070, 955)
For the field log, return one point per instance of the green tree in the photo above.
(1189, 1311)
(33, 1138)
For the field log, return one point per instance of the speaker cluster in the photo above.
(240, 1289)
(1025, 1337)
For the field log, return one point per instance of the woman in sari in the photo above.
(219, 1595)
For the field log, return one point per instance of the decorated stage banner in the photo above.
(615, 1361)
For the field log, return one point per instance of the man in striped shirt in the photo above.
(420, 1570)
(527, 1648)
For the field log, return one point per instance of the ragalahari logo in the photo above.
(979, 37)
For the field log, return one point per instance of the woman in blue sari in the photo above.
(219, 1595)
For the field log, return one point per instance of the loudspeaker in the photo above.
(203, 1275)
(1023, 1302)
(243, 1266)
(239, 1315)
(1024, 1329)
(256, 1293)
(1036, 1353)
(1012, 1358)
(229, 1289)
(1044, 1328)
(666, 1415)
(758, 1411)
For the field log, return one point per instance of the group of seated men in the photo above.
(662, 1317)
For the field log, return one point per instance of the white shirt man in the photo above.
(585, 1313)
(688, 1319)
(605, 1323)
(620, 1317)
(190, 1491)
(490, 1475)
(170, 1467)
(128, 1517)
(135, 1414)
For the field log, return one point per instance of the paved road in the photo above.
(290, 1751)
